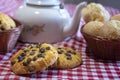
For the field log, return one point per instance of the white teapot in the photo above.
(47, 21)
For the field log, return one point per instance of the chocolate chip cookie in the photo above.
(67, 58)
(6, 23)
(33, 58)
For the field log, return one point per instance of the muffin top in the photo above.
(93, 28)
(116, 17)
(6, 23)
(108, 30)
(95, 12)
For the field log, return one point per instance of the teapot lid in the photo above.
(43, 2)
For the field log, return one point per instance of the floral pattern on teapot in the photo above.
(35, 29)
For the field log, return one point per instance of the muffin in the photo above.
(103, 39)
(10, 30)
(116, 17)
(6, 23)
(95, 12)
(93, 30)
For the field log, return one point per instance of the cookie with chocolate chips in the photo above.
(67, 58)
(33, 58)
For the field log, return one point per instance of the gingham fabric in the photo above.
(90, 69)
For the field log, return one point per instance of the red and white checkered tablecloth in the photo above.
(89, 70)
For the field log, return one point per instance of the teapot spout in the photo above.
(74, 24)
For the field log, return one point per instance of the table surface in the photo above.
(91, 69)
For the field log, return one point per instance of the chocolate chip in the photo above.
(42, 50)
(41, 55)
(25, 63)
(12, 62)
(2, 28)
(47, 48)
(26, 50)
(31, 69)
(0, 22)
(60, 51)
(23, 54)
(74, 52)
(69, 57)
(31, 46)
(23, 48)
(68, 54)
(34, 58)
(33, 49)
(69, 51)
(20, 58)
(11, 27)
(59, 48)
(32, 53)
(29, 60)
(38, 72)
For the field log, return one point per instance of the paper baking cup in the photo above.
(102, 48)
(9, 38)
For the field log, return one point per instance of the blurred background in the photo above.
(111, 3)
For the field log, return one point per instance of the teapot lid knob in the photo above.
(61, 5)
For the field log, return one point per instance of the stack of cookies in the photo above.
(38, 57)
